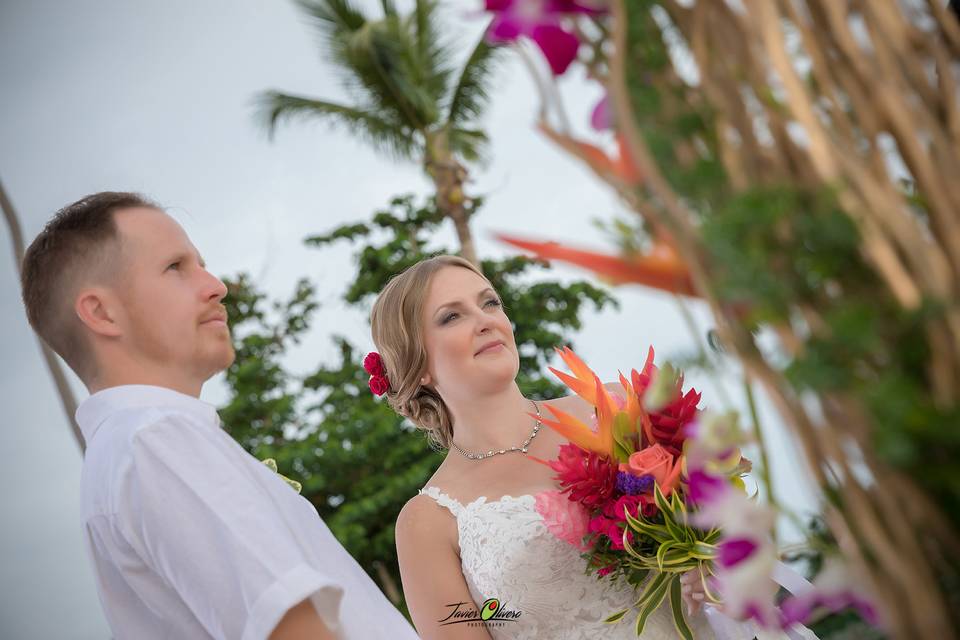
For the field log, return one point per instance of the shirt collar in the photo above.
(94, 410)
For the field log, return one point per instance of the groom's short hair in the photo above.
(78, 246)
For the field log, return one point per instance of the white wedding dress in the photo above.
(507, 553)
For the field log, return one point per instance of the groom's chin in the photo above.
(222, 360)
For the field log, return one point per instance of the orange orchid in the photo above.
(660, 268)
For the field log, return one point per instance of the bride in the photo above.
(471, 542)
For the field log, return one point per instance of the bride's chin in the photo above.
(499, 376)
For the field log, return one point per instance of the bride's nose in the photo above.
(484, 324)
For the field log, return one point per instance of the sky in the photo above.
(157, 96)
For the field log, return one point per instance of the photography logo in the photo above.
(492, 612)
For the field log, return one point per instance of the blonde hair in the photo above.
(397, 327)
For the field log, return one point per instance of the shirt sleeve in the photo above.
(204, 522)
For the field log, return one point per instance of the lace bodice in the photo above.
(506, 552)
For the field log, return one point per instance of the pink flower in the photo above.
(836, 588)
(565, 519)
(612, 521)
(601, 118)
(610, 528)
(733, 551)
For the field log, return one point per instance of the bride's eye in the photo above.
(493, 302)
(447, 318)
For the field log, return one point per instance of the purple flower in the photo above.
(540, 20)
(632, 485)
(734, 551)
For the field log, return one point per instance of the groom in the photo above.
(190, 536)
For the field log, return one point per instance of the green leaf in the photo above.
(662, 502)
(650, 589)
(655, 531)
(676, 606)
(616, 617)
(623, 433)
(677, 531)
(703, 551)
(675, 557)
(662, 551)
(654, 600)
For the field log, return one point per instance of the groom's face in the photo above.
(172, 316)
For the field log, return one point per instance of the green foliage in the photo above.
(789, 256)
(357, 460)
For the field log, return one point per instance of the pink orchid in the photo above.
(601, 118)
(541, 21)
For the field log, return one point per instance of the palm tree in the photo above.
(407, 99)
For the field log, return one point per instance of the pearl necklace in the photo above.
(522, 448)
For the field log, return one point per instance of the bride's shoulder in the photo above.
(423, 519)
(577, 406)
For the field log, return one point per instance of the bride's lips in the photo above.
(490, 345)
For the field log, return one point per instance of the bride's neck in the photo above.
(492, 422)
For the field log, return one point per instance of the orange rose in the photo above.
(655, 461)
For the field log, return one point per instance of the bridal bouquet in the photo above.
(625, 499)
(653, 488)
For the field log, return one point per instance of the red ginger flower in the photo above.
(667, 424)
(586, 477)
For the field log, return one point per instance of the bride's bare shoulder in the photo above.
(424, 521)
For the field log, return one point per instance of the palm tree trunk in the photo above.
(387, 584)
(67, 399)
(448, 177)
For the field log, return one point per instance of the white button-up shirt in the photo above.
(192, 537)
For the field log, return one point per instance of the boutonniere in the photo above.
(272, 465)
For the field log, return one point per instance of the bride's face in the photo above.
(468, 337)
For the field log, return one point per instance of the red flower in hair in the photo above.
(373, 364)
(379, 385)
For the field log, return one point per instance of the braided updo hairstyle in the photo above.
(396, 323)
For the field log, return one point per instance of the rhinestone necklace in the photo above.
(493, 452)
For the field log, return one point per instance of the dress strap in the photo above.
(443, 500)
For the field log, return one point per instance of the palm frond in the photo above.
(334, 18)
(379, 131)
(469, 144)
(471, 95)
(381, 69)
(434, 55)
